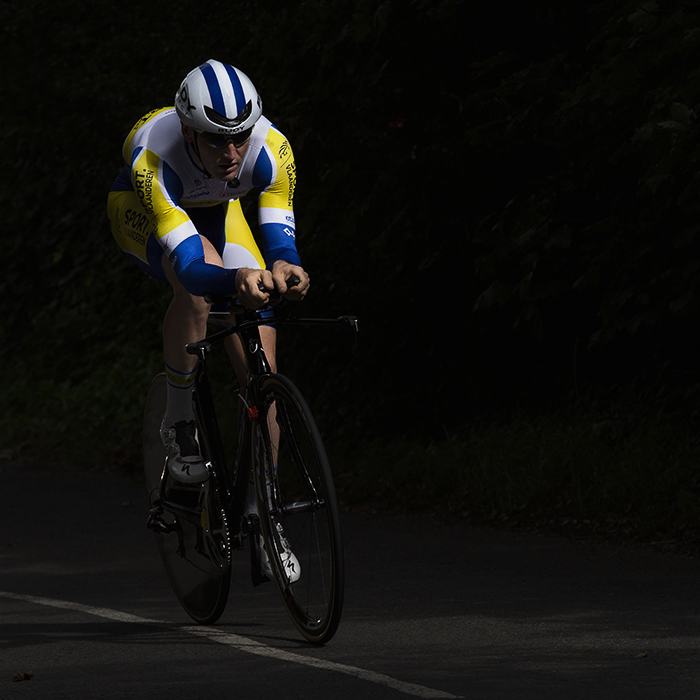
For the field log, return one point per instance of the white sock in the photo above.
(179, 402)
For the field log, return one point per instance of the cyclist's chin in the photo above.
(226, 172)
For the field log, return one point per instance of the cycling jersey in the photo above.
(162, 201)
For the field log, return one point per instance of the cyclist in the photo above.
(175, 210)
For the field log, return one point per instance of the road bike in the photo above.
(276, 496)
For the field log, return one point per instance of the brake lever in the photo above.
(353, 323)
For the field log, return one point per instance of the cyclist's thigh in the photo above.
(240, 248)
(133, 229)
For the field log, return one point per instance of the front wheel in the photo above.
(299, 514)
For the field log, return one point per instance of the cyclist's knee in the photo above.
(195, 306)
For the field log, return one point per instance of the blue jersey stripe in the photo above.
(172, 183)
(217, 99)
(136, 154)
(262, 175)
(237, 89)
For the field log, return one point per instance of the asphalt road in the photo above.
(431, 611)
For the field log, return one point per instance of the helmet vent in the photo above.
(185, 98)
(221, 120)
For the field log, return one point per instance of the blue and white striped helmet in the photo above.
(218, 98)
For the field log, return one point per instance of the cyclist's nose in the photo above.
(230, 149)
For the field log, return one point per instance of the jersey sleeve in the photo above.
(277, 179)
(159, 189)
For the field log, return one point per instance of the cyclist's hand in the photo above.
(282, 273)
(247, 287)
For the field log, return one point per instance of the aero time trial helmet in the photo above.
(217, 98)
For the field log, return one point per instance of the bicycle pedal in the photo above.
(157, 524)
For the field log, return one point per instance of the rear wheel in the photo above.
(299, 515)
(189, 524)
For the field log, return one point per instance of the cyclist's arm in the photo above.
(277, 223)
(277, 181)
(197, 276)
(159, 189)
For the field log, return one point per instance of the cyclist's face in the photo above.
(223, 163)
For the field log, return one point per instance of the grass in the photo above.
(630, 473)
(621, 476)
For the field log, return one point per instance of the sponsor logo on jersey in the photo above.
(201, 193)
(135, 220)
(292, 176)
(143, 183)
(136, 237)
(284, 149)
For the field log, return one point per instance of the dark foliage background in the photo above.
(506, 196)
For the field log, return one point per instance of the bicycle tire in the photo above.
(298, 509)
(195, 551)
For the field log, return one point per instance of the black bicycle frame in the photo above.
(233, 488)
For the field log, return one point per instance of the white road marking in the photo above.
(78, 607)
(250, 646)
